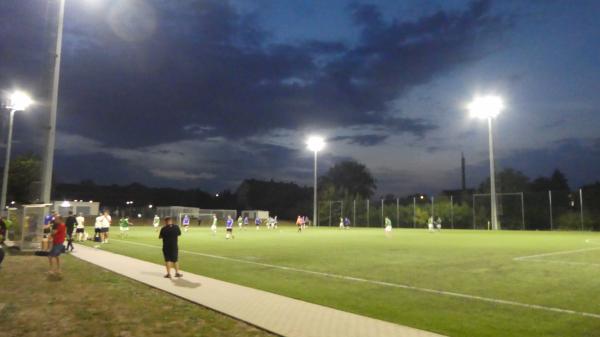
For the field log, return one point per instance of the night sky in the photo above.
(207, 93)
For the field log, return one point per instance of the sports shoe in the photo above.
(167, 276)
(178, 275)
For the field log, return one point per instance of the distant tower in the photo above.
(463, 170)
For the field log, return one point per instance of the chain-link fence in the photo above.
(550, 210)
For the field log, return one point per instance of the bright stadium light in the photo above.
(65, 204)
(315, 144)
(489, 107)
(486, 107)
(17, 101)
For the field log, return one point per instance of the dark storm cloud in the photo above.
(212, 66)
(364, 140)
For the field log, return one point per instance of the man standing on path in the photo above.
(59, 233)
(170, 233)
(70, 223)
(106, 222)
(80, 229)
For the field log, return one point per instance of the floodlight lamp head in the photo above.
(19, 101)
(65, 204)
(486, 107)
(315, 143)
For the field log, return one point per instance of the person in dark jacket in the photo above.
(70, 223)
(170, 233)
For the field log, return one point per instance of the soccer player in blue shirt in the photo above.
(229, 227)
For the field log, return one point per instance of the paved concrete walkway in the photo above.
(279, 314)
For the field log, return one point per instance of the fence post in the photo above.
(354, 212)
(382, 213)
(414, 212)
(329, 213)
(581, 206)
(342, 210)
(432, 202)
(368, 215)
(523, 210)
(551, 217)
(397, 212)
(473, 211)
(452, 211)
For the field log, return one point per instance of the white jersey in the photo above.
(106, 220)
(156, 221)
(98, 223)
(80, 220)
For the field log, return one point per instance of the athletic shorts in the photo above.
(104, 230)
(171, 254)
(56, 250)
(79, 230)
(124, 229)
(230, 230)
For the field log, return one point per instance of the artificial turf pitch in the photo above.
(457, 283)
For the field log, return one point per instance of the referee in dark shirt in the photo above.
(169, 233)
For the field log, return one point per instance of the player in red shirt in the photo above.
(59, 233)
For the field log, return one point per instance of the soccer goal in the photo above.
(510, 209)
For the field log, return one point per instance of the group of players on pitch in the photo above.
(243, 222)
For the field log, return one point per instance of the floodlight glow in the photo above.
(65, 204)
(19, 101)
(486, 107)
(315, 143)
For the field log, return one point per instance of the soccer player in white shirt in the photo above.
(388, 226)
(106, 221)
(213, 228)
(156, 222)
(240, 221)
(80, 229)
(430, 224)
(98, 228)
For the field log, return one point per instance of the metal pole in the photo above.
(474, 212)
(432, 202)
(452, 211)
(414, 212)
(315, 191)
(382, 225)
(397, 212)
(354, 212)
(368, 215)
(581, 206)
(492, 177)
(551, 216)
(329, 213)
(49, 155)
(7, 161)
(523, 210)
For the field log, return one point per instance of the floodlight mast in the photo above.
(489, 107)
(315, 144)
(18, 101)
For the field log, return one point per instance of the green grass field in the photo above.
(457, 283)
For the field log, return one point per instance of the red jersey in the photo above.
(60, 234)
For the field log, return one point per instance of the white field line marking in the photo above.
(563, 262)
(564, 252)
(388, 284)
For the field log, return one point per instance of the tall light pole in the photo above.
(18, 101)
(48, 163)
(315, 144)
(489, 107)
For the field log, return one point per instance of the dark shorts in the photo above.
(104, 230)
(230, 229)
(56, 250)
(171, 254)
(79, 230)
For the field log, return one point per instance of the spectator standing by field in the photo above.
(70, 223)
(59, 234)
(98, 228)
(80, 228)
(106, 221)
(170, 233)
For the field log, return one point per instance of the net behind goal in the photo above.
(510, 209)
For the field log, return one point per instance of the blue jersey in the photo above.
(229, 223)
(186, 220)
(48, 219)
(257, 221)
